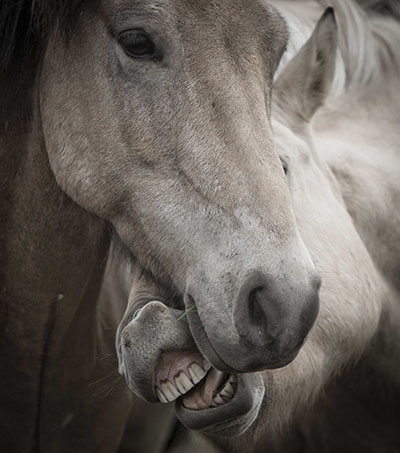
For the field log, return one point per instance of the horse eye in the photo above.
(284, 166)
(137, 44)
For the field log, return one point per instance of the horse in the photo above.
(124, 114)
(115, 117)
(334, 116)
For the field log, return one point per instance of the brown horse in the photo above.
(341, 393)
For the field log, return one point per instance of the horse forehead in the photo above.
(254, 13)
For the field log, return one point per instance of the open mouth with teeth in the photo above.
(161, 363)
(205, 398)
(191, 377)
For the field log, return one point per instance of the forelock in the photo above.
(24, 24)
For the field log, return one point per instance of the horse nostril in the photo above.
(275, 312)
(257, 318)
(253, 316)
(316, 282)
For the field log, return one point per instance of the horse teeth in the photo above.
(226, 394)
(169, 390)
(218, 400)
(196, 372)
(232, 379)
(228, 390)
(183, 383)
(174, 390)
(161, 397)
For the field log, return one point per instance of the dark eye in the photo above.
(284, 166)
(137, 44)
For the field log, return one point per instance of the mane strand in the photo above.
(25, 23)
(384, 7)
(15, 30)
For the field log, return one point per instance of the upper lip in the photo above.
(203, 342)
(208, 350)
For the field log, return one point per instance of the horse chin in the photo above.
(231, 418)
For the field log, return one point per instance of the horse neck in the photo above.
(358, 140)
(368, 391)
(52, 256)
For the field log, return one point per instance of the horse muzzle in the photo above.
(161, 363)
(262, 327)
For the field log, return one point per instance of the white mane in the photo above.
(368, 44)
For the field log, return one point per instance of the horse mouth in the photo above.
(205, 398)
(215, 390)
(161, 363)
(188, 376)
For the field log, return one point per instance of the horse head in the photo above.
(156, 117)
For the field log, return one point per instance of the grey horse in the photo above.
(153, 119)
(341, 392)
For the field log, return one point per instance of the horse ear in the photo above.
(305, 82)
